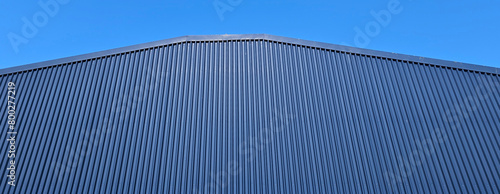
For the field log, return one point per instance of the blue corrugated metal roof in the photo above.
(252, 114)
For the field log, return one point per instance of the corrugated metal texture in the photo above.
(253, 116)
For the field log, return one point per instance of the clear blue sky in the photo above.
(464, 31)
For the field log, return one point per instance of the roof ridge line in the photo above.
(268, 37)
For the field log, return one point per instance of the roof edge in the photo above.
(314, 44)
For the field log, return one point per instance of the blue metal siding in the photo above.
(253, 116)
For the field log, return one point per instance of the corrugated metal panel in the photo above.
(253, 116)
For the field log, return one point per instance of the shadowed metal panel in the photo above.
(252, 116)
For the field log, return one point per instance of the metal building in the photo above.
(250, 114)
